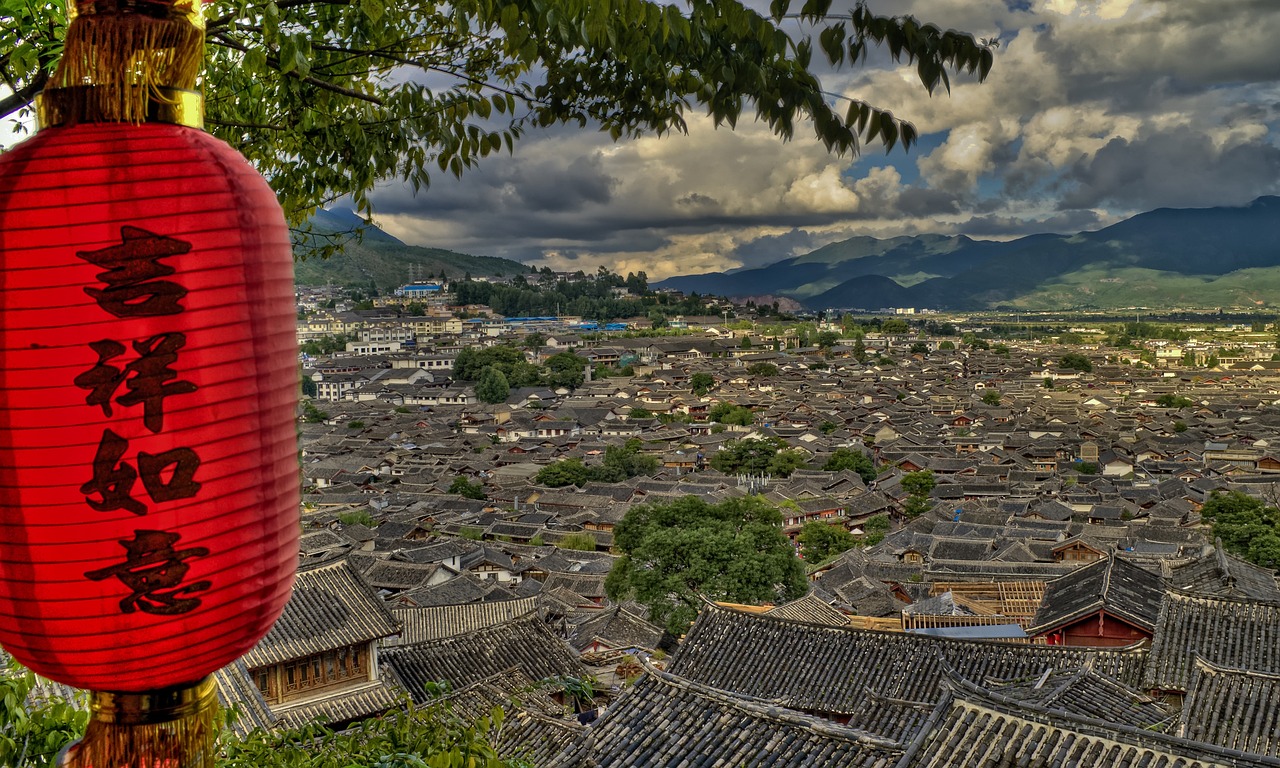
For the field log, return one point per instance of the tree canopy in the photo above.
(1246, 526)
(757, 456)
(676, 554)
(849, 458)
(821, 541)
(620, 462)
(327, 99)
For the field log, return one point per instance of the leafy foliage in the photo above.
(725, 412)
(408, 737)
(849, 458)
(33, 732)
(580, 541)
(991, 397)
(357, 517)
(1074, 361)
(918, 485)
(620, 462)
(677, 553)
(826, 339)
(492, 386)
(325, 345)
(701, 383)
(820, 541)
(757, 456)
(874, 530)
(566, 369)
(329, 98)
(1170, 400)
(1247, 527)
(762, 370)
(467, 489)
(311, 414)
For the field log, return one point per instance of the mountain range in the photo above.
(382, 258)
(1203, 257)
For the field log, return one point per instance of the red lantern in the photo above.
(148, 380)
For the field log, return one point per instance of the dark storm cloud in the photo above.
(1066, 222)
(1181, 168)
(771, 248)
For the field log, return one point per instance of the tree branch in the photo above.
(274, 63)
(23, 96)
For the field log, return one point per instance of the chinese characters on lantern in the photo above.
(133, 274)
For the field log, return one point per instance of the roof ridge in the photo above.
(773, 708)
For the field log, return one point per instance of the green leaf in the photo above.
(373, 9)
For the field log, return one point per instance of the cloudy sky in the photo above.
(1096, 109)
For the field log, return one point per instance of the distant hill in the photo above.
(1164, 258)
(384, 259)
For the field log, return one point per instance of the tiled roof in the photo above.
(1219, 574)
(342, 706)
(1085, 693)
(460, 660)
(616, 628)
(978, 732)
(238, 693)
(829, 669)
(1112, 584)
(809, 609)
(1233, 708)
(331, 607)
(1232, 633)
(419, 625)
(664, 721)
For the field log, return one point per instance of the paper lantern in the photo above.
(148, 383)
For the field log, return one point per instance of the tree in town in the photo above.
(762, 370)
(826, 339)
(492, 386)
(565, 369)
(1170, 400)
(820, 541)
(564, 472)
(725, 412)
(311, 414)
(918, 485)
(467, 489)
(677, 554)
(851, 459)
(1246, 526)
(1074, 361)
(749, 456)
(701, 383)
(785, 462)
(535, 341)
(859, 350)
(582, 541)
(874, 530)
(991, 397)
(620, 462)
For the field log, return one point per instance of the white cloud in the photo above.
(1094, 109)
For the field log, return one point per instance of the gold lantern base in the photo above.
(173, 727)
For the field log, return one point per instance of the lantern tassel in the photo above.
(119, 57)
(174, 727)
